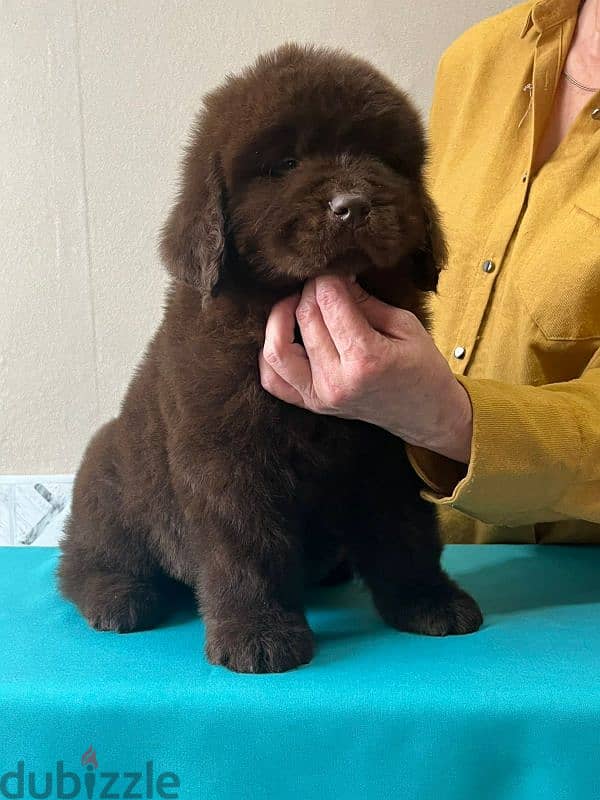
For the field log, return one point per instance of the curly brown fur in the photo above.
(204, 477)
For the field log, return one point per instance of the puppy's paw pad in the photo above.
(260, 648)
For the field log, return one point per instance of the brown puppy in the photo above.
(308, 162)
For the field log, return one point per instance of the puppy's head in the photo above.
(308, 162)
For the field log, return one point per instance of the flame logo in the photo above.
(89, 757)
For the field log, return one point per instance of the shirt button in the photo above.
(488, 266)
(524, 177)
(596, 114)
(459, 352)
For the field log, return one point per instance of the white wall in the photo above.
(95, 100)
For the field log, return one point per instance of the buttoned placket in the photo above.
(549, 55)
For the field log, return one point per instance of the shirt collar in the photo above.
(546, 14)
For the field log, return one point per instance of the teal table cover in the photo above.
(510, 712)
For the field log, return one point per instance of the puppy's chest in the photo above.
(319, 445)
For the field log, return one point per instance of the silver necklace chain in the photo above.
(581, 86)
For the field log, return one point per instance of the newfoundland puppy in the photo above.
(308, 162)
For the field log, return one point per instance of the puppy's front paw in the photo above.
(120, 603)
(270, 643)
(433, 611)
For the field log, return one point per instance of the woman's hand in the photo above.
(362, 359)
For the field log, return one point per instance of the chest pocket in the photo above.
(560, 282)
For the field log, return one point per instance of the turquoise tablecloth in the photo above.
(510, 712)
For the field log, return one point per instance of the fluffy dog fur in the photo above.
(206, 479)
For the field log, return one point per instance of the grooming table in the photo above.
(511, 712)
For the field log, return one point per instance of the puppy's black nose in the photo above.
(350, 207)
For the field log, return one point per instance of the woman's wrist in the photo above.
(455, 432)
(451, 433)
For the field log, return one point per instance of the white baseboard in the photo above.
(33, 509)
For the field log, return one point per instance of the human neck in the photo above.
(586, 43)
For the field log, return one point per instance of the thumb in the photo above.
(395, 323)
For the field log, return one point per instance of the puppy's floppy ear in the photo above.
(430, 258)
(192, 244)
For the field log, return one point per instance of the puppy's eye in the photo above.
(283, 166)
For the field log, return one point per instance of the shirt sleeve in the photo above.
(535, 453)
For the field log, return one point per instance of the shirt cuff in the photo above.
(522, 454)
(441, 474)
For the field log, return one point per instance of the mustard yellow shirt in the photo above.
(518, 309)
